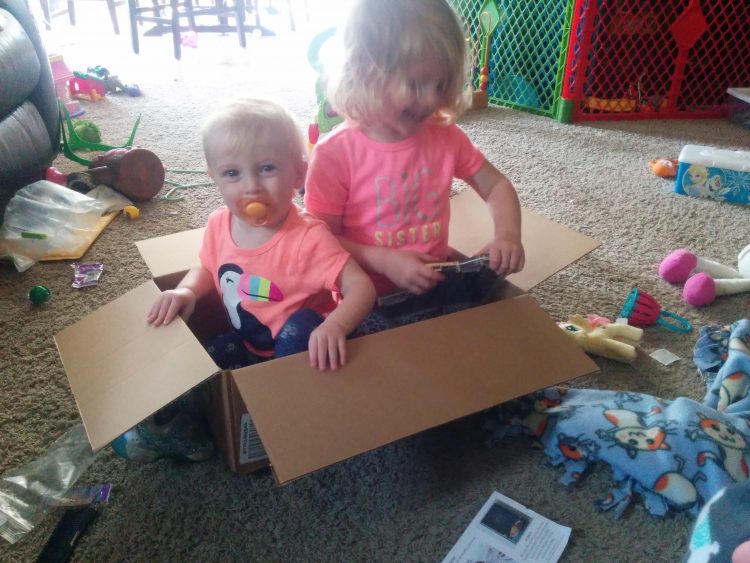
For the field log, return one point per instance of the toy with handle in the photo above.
(641, 309)
(705, 279)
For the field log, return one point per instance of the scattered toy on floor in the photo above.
(112, 84)
(39, 294)
(705, 279)
(86, 86)
(614, 341)
(87, 131)
(641, 309)
(136, 173)
(664, 167)
(52, 174)
(131, 212)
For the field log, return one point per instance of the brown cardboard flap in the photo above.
(171, 253)
(405, 380)
(549, 246)
(121, 369)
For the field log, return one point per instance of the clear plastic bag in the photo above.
(27, 493)
(45, 221)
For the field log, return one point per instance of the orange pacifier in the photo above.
(256, 213)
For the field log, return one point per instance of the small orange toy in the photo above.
(664, 167)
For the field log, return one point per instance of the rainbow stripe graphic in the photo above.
(256, 288)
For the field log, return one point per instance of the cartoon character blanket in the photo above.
(676, 454)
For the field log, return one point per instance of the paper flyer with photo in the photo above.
(506, 531)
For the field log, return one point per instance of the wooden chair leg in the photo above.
(133, 15)
(239, 7)
(113, 16)
(72, 11)
(46, 13)
(176, 37)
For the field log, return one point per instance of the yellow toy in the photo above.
(614, 341)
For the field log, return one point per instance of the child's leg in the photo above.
(295, 333)
(228, 351)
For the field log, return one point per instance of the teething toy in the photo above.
(641, 309)
(705, 279)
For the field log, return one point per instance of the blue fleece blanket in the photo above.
(676, 454)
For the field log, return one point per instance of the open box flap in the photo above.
(172, 253)
(121, 369)
(405, 380)
(549, 246)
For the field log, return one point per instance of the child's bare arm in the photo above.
(406, 269)
(181, 300)
(327, 343)
(505, 250)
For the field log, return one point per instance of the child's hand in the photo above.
(411, 270)
(506, 255)
(327, 345)
(169, 304)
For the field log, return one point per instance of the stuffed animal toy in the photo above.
(705, 279)
(614, 341)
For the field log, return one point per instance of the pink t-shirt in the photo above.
(299, 267)
(391, 194)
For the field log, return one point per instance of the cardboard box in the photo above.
(396, 383)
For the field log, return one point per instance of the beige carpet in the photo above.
(411, 500)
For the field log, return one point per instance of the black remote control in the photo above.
(66, 534)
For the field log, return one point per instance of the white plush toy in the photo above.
(705, 279)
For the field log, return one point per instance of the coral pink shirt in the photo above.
(391, 194)
(299, 267)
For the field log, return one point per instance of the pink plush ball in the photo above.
(677, 266)
(699, 290)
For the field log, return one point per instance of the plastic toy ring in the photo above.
(256, 213)
(641, 309)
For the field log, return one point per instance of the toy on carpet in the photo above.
(87, 131)
(131, 212)
(86, 86)
(71, 142)
(641, 309)
(664, 167)
(112, 84)
(136, 173)
(39, 294)
(611, 340)
(705, 279)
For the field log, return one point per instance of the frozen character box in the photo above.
(714, 173)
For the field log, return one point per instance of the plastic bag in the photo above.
(45, 221)
(27, 493)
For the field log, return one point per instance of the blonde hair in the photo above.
(382, 39)
(239, 124)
